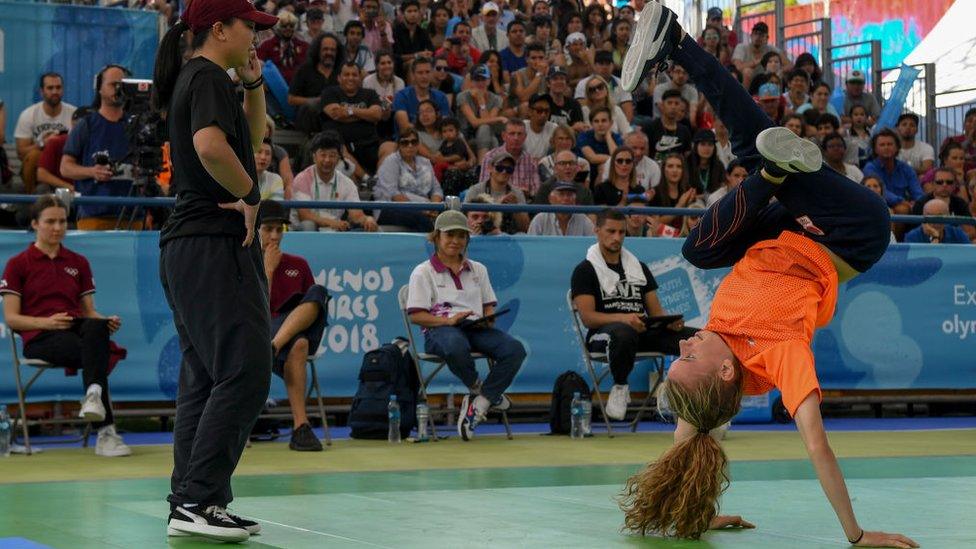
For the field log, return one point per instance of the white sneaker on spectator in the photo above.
(92, 408)
(617, 402)
(110, 444)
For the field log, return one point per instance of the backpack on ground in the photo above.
(385, 371)
(560, 418)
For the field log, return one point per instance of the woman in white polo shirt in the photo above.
(447, 290)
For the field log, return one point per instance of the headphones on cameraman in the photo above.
(101, 74)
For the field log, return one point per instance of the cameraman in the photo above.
(484, 223)
(216, 287)
(95, 151)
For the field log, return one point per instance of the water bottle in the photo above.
(393, 413)
(587, 415)
(423, 414)
(4, 431)
(576, 410)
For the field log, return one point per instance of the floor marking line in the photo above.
(326, 534)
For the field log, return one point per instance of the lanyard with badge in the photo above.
(333, 192)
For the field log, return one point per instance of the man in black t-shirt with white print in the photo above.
(613, 292)
(354, 112)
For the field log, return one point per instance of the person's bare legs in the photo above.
(296, 379)
(297, 321)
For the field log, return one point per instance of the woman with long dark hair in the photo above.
(216, 287)
(706, 173)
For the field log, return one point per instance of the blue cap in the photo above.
(481, 72)
(714, 12)
(768, 90)
(564, 186)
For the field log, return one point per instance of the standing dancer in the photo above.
(788, 257)
(216, 287)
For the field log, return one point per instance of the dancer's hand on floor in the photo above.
(884, 539)
(729, 521)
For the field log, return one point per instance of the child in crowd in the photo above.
(270, 184)
(457, 158)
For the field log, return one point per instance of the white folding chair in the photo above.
(419, 358)
(590, 357)
(313, 387)
(22, 390)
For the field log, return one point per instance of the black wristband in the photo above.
(253, 198)
(859, 538)
(253, 85)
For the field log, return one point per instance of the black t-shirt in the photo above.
(359, 131)
(204, 96)
(404, 44)
(605, 194)
(629, 297)
(569, 113)
(663, 142)
(309, 82)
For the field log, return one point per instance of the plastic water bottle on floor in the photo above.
(587, 416)
(5, 432)
(393, 413)
(423, 414)
(576, 411)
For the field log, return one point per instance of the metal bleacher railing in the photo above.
(449, 203)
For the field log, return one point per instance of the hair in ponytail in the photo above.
(169, 60)
(677, 495)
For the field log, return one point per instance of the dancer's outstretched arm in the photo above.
(810, 424)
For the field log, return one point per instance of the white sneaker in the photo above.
(788, 151)
(110, 444)
(656, 36)
(503, 405)
(617, 402)
(92, 408)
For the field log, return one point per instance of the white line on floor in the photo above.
(326, 534)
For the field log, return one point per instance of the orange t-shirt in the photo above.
(767, 309)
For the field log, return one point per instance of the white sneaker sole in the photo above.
(94, 416)
(174, 533)
(644, 44)
(789, 151)
(206, 531)
(116, 454)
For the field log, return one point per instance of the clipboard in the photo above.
(660, 322)
(481, 322)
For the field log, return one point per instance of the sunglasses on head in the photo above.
(409, 142)
(505, 168)
(624, 161)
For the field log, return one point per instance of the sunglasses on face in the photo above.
(945, 182)
(441, 68)
(624, 161)
(408, 142)
(594, 89)
(541, 110)
(505, 169)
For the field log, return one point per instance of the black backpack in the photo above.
(385, 371)
(560, 418)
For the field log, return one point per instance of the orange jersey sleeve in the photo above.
(788, 366)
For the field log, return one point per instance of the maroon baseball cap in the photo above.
(202, 14)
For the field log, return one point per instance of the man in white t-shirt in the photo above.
(678, 81)
(538, 128)
(648, 171)
(321, 181)
(917, 153)
(38, 122)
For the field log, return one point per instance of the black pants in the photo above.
(622, 343)
(219, 296)
(82, 347)
(415, 221)
(367, 154)
(824, 206)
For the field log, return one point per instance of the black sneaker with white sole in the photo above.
(303, 439)
(253, 528)
(657, 34)
(211, 522)
(788, 151)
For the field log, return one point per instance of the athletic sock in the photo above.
(773, 173)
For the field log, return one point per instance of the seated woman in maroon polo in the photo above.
(48, 293)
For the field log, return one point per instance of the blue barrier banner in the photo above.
(909, 323)
(75, 41)
(896, 101)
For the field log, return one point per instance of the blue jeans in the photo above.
(455, 346)
(845, 217)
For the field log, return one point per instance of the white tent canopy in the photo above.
(951, 46)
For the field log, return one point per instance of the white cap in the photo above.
(489, 7)
(576, 37)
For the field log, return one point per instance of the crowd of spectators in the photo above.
(427, 100)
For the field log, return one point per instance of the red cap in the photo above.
(200, 15)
